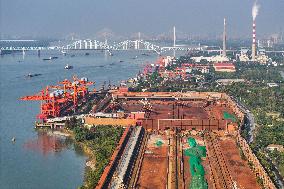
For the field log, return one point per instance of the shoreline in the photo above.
(90, 161)
(92, 151)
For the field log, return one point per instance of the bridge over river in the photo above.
(92, 44)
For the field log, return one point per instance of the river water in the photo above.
(36, 159)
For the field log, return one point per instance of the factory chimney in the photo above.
(255, 9)
(224, 39)
(174, 36)
(174, 41)
(253, 49)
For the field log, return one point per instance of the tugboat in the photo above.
(67, 67)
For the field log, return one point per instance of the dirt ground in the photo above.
(167, 109)
(238, 167)
(154, 167)
(153, 174)
(206, 166)
(216, 111)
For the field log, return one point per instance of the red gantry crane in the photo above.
(57, 98)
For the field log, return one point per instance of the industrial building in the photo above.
(224, 67)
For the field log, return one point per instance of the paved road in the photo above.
(282, 74)
(276, 172)
(250, 118)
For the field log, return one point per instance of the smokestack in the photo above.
(253, 49)
(174, 36)
(174, 41)
(224, 39)
(254, 12)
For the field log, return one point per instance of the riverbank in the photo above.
(91, 160)
(98, 143)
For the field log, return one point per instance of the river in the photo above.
(37, 159)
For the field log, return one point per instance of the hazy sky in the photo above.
(86, 17)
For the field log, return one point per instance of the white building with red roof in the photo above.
(224, 67)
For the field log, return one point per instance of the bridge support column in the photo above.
(80, 44)
(24, 52)
(0, 52)
(38, 53)
(136, 44)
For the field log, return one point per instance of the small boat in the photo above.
(111, 64)
(64, 53)
(144, 54)
(67, 67)
(87, 54)
(32, 75)
(13, 139)
(121, 61)
(50, 58)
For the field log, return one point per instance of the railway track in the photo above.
(176, 150)
(179, 163)
(220, 174)
(175, 165)
(172, 162)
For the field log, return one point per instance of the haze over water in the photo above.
(38, 160)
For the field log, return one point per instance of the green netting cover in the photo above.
(198, 182)
(227, 115)
(195, 152)
(159, 143)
